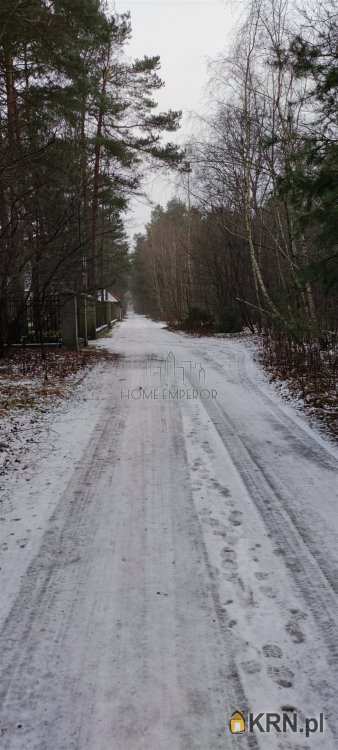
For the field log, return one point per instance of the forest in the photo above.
(168, 374)
(252, 240)
(77, 127)
(250, 243)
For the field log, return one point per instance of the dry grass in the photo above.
(28, 378)
(311, 374)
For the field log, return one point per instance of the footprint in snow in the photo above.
(22, 543)
(251, 666)
(293, 564)
(261, 576)
(269, 592)
(236, 518)
(197, 485)
(207, 449)
(232, 624)
(222, 534)
(229, 556)
(295, 632)
(271, 650)
(220, 487)
(298, 614)
(212, 522)
(283, 676)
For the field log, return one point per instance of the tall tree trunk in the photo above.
(96, 177)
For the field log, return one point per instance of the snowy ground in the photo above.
(168, 556)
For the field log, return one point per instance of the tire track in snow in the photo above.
(320, 450)
(65, 539)
(312, 581)
(235, 691)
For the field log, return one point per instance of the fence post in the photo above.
(69, 326)
(82, 318)
(109, 314)
(91, 317)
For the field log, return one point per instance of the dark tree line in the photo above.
(255, 241)
(182, 272)
(77, 123)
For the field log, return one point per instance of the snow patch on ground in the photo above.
(44, 449)
(190, 564)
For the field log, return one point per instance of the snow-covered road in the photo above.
(172, 559)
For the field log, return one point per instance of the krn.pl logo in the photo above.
(237, 723)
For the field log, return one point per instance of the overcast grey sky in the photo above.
(186, 34)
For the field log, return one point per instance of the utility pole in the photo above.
(189, 261)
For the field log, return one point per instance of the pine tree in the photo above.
(313, 180)
(77, 124)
